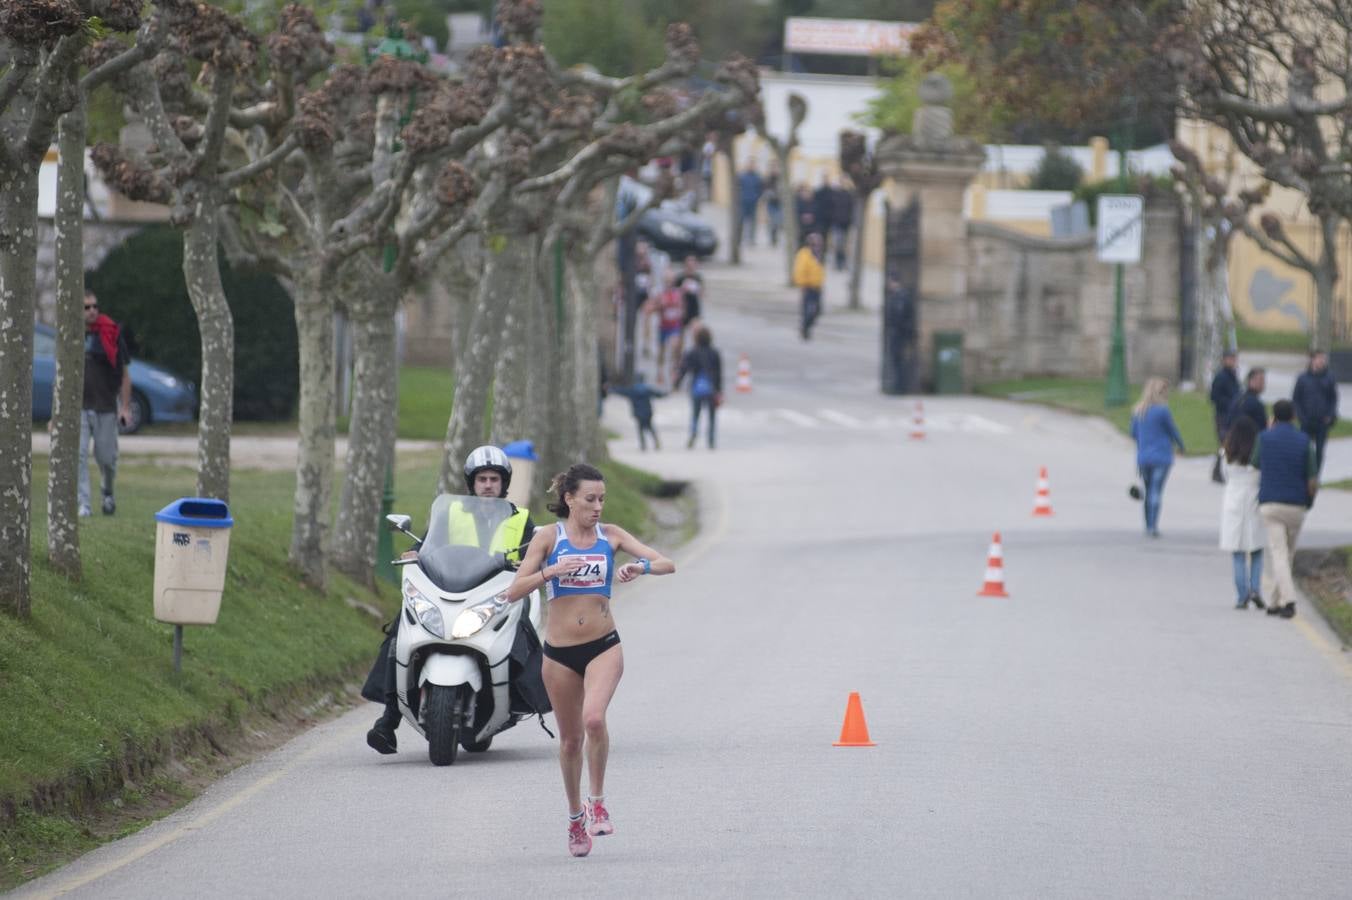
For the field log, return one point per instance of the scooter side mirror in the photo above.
(399, 522)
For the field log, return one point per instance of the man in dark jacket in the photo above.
(1250, 403)
(704, 365)
(1316, 402)
(1224, 390)
(842, 218)
(824, 212)
(1287, 483)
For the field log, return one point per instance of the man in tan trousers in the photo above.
(1287, 483)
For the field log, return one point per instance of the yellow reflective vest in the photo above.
(464, 530)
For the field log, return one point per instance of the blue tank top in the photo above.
(593, 571)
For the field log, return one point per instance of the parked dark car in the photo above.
(677, 232)
(157, 395)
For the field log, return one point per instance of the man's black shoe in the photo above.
(381, 738)
(1288, 611)
(1257, 601)
(109, 507)
(1274, 610)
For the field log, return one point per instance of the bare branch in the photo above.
(260, 165)
(18, 72)
(55, 95)
(222, 89)
(472, 220)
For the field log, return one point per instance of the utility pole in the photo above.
(1116, 390)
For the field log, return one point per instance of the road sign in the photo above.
(847, 37)
(1120, 227)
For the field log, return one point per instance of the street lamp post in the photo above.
(1115, 393)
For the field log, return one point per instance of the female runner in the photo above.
(575, 561)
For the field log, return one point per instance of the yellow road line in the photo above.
(1325, 646)
(194, 824)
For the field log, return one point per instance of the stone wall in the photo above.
(1040, 306)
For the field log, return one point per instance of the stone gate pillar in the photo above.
(935, 166)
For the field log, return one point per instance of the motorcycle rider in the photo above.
(488, 474)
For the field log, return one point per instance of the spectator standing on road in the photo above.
(704, 365)
(823, 213)
(691, 283)
(575, 563)
(641, 395)
(1286, 488)
(1316, 402)
(107, 401)
(1241, 525)
(749, 187)
(809, 275)
(1250, 403)
(774, 212)
(842, 219)
(1224, 390)
(670, 311)
(1152, 425)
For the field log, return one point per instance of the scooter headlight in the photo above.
(426, 611)
(472, 620)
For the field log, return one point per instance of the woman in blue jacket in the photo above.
(1152, 425)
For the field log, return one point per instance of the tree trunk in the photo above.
(788, 205)
(202, 271)
(63, 533)
(18, 285)
(857, 254)
(734, 213)
(580, 436)
(520, 295)
(461, 269)
(370, 435)
(1325, 280)
(314, 457)
(474, 370)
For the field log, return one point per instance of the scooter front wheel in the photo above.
(445, 712)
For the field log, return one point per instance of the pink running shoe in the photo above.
(579, 842)
(600, 819)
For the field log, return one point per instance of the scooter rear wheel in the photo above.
(445, 711)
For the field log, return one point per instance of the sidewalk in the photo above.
(246, 451)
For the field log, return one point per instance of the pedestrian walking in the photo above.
(1289, 478)
(774, 211)
(809, 275)
(802, 208)
(1152, 425)
(704, 365)
(749, 187)
(1224, 390)
(842, 219)
(669, 309)
(1242, 531)
(1250, 402)
(1316, 403)
(575, 563)
(691, 284)
(641, 395)
(823, 213)
(106, 404)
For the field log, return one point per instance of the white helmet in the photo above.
(487, 457)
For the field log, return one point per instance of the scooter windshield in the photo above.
(465, 541)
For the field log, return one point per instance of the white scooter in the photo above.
(453, 657)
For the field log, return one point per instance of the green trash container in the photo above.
(948, 362)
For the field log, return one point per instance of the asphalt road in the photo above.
(1112, 729)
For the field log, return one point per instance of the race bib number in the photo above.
(585, 571)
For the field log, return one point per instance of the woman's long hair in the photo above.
(1239, 441)
(567, 483)
(1156, 391)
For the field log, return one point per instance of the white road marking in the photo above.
(841, 419)
(802, 420)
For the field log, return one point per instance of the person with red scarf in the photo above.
(107, 400)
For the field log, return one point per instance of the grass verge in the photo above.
(1191, 411)
(1250, 338)
(1326, 578)
(101, 737)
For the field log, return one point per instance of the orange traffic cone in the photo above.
(1042, 505)
(744, 375)
(918, 422)
(995, 571)
(854, 733)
